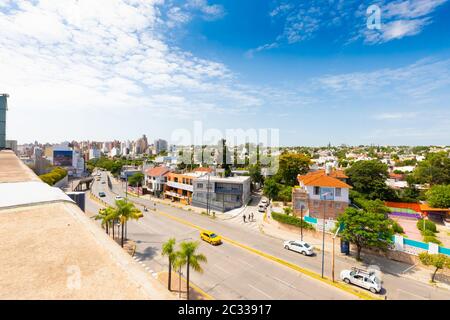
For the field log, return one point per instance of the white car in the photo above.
(118, 198)
(299, 246)
(362, 278)
(264, 201)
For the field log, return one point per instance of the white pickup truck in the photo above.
(362, 278)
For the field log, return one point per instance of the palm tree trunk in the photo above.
(434, 274)
(187, 280)
(122, 224)
(179, 282)
(126, 230)
(170, 276)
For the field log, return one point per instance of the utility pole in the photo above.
(302, 207)
(323, 230)
(207, 196)
(332, 261)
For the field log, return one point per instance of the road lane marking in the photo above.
(223, 270)
(260, 291)
(285, 283)
(311, 274)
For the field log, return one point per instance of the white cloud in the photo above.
(402, 18)
(396, 115)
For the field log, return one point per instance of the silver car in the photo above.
(299, 246)
(362, 278)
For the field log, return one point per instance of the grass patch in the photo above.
(294, 221)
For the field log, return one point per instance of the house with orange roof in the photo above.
(155, 179)
(321, 193)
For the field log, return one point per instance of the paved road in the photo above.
(234, 273)
(231, 272)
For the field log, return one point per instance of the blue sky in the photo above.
(116, 69)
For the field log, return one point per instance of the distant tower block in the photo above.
(3, 108)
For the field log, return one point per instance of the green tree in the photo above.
(291, 165)
(439, 196)
(193, 259)
(365, 229)
(439, 261)
(168, 250)
(369, 179)
(435, 169)
(136, 179)
(271, 188)
(178, 264)
(104, 216)
(255, 173)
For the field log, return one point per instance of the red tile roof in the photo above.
(320, 179)
(157, 171)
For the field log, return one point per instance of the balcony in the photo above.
(181, 186)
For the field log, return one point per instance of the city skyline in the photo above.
(314, 71)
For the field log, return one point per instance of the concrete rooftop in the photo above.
(51, 250)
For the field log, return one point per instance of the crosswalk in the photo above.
(251, 225)
(147, 268)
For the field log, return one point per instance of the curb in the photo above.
(311, 274)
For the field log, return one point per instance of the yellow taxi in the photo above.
(210, 237)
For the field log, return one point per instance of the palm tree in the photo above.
(102, 215)
(111, 215)
(188, 252)
(168, 249)
(178, 263)
(126, 211)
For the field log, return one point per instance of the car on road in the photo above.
(103, 182)
(210, 237)
(117, 198)
(261, 209)
(299, 246)
(362, 278)
(101, 194)
(264, 201)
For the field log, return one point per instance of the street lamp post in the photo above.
(302, 207)
(323, 230)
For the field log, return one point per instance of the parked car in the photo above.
(103, 182)
(261, 209)
(118, 198)
(264, 201)
(101, 194)
(362, 278)
(299, 246)
(210, 237)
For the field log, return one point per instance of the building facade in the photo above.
(155, 180)
(221, 194)
(180, 186)
(323, 193)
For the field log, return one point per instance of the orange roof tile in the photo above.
(320, 179)
(157, 171)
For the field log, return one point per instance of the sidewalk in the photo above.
(416, 272)
(195, 293)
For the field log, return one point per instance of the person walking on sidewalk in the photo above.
(243, 216)
(252, 216)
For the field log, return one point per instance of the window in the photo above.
(316, 191)
(338, 192)
(200, 185)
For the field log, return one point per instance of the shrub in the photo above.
(427, 239)
(294, 221)
(53, 176)
(287, 210)
(429, 225)
(427, 233)
(397, 228)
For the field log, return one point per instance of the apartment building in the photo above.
(224, 193)
(180, 186)
(321, 193)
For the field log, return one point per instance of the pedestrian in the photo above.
(243, 217)
(252, 216)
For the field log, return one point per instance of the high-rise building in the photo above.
(160, 145)
(3, 108)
